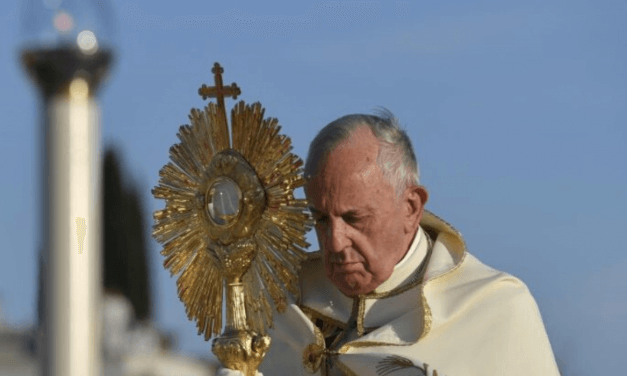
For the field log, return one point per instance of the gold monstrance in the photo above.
(231, 222)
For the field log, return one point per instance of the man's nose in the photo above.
(337, 236)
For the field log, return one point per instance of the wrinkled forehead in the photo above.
(348, 169)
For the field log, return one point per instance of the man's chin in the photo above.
(351, 287)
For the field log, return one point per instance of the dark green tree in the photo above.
(125, 258)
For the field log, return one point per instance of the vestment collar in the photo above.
(406, 268)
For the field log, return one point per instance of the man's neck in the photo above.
(406, 268)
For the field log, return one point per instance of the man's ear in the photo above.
(415, 199)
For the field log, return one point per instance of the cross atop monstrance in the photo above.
(231, 223)
(219, 91)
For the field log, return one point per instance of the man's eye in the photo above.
(352, 219)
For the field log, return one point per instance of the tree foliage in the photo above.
(125, 259)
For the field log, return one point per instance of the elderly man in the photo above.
(393, 290)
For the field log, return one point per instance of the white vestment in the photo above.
(451, 313)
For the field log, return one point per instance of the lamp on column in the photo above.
(66, 48)
(62, 40)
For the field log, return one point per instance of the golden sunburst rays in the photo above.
(231, 209)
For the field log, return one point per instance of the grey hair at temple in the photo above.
(396, 155)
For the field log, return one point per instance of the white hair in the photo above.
(396, 155)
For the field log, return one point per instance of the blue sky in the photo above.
(517, 111)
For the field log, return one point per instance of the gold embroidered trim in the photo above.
(428, 318)
(459, 235)
(449, 272)
(313, 315)
(314, 354)
(344, 349)
(360, 303)
(426, 315)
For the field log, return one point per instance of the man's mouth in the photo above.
(347, 267)
(344, 264)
